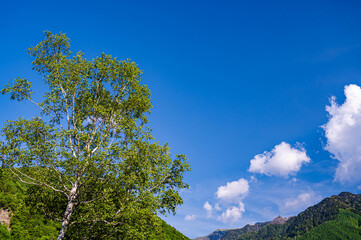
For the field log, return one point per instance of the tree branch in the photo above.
(68, 120)
(45, 110)
(161, 182)
(36, 182)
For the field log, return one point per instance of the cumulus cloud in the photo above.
(233, 191)
(300, 202)
(343, 133)
(283, 160)
(230, 198)
(190, 217)
(232, 214)
(230, 194)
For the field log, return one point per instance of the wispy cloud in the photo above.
(209, 209)
(300, 202)
(190, 217)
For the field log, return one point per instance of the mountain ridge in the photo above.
(327, 210)
(221, 233)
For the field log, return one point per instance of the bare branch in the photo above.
(94, 221)
(45, 110)
(35, 181)
(60, 178)
(161, 182)
(94, 199)
(95, 129)
(102, 141)
(68, 120)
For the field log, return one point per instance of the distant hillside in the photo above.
(347, 225)
(27, 224)
(234, 233)
(336, 217)
(216, 235)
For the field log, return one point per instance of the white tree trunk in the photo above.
(68, 211)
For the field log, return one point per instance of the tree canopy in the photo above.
(89, 155)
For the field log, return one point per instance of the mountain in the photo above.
(335, 217)
(216, 235)
(279, 220)
(233, 233)
(347, 225)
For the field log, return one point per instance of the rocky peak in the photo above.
(5, 217)
(279, 220)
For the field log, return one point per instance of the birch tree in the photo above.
(89, 147)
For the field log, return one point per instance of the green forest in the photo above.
(29, 222)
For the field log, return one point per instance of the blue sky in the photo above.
(229, 81)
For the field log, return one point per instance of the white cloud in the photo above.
(283, 160)
(232, 214)
(230, 197)
(190, 217)
(343, 133)
(301, 202)
(233, 191)
(208, 207)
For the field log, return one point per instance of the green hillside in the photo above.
(170, 233)
(27, 223)
(346, 226)
(336, 217)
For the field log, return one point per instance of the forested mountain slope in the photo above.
(27, 223)
(336, 217)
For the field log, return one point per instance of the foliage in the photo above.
(28, 222)
(97, 164)
(168, 232)
(11, 192)
(25, 223)
(4, 233)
